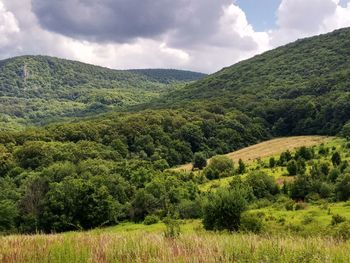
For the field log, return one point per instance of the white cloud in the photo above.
(301, 18)
(8, 26)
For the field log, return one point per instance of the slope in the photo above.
(300, 88)
(39, 89)
(268, 148)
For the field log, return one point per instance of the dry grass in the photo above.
(269, 148)
(152, 247)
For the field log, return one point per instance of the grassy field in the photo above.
(154, 247)
(275, 147)
(269, 148)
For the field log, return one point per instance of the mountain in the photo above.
(39, 89)
(300, 88)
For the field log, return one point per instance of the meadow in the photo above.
(153, 246)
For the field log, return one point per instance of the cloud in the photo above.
(202, 35)
(300, 18)
(8, 26)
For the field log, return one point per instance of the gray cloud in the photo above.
(122, 21)
(107, 20)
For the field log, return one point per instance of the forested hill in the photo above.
(39, 89)
(300, 88)
(169, 75)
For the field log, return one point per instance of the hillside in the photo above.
(38, 89)
(300, 88)
(267, 149)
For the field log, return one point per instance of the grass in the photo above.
(154, 247)
(312, 220)
(277, 146)
(268, 149)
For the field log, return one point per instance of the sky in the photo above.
(199, 35)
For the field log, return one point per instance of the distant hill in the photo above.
(300, 88)
(39, 89)
(169, 75)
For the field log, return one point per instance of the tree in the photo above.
(301, 187)
(263, 186)
(241, 167)
(345, 132)
(8, 215)
(336, 159)
(342, 187)
(223, 210)
(292, 167)
(199, 160)
(272, 162)
(219, 166)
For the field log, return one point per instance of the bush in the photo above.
(223, 209)
(292, 168)
(219, 166)
(263, 186)
(199, 160)
(290, 205)
(337, 219)
(190, 209)
(251, 223)
(342, 187)
(173, 229)
(300, 206)
(150, 220)
(342, 231)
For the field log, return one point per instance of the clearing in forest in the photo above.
(269, 148)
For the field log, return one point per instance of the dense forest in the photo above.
(300, 88)
(101, 170)
(39, 89)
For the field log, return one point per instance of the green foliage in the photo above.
(292, 167)
(39, 89)
(173, 229)
(342, 187)
(241, 167)
(199, 160)
(263, 185)
(251, 223)
(219, 166)
(336, 159)
(8, 216)
(150, 220)
(223, 210)
(337, 219)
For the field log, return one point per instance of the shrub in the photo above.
(172, 229)
(190, 209)
(337, 219)
(251, 223)
(272, 162)
(223, 209)
(300, 206)
(342, 187)
(292, 167)
(336, 159)
(150, 220)
(342, 231)
(290, 205)
(199, 160)
(241, 167)
(263, 186)
(219, 166)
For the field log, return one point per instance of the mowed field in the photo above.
(269, 148)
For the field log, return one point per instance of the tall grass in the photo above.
(154, 247)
